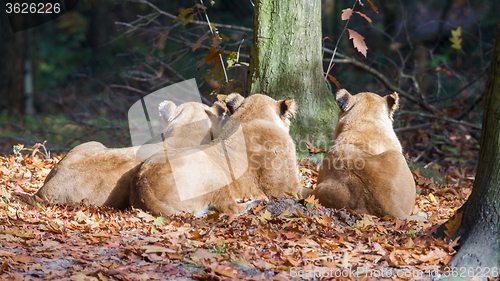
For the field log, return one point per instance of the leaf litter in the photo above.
(285, 239)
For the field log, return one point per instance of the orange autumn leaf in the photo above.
(453, 224)
(333, 80)
(365, 16)
(373, 6)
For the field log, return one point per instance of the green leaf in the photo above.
(159, 221)
(232, 59)
(456, 39)
(453, 150)
(186, 21)
(428, 173)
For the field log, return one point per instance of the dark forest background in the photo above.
(73, 79)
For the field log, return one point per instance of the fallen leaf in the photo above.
(82, 277)
(265, 216)
(453, 224)
(22, 259)
(433, 255)
(263, 265)
(157, 249)
(80, 217)
(366, 221)
(145, 216)
(201, 254)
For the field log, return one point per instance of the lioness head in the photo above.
(365, 119)
(262, 107)
(367, 105)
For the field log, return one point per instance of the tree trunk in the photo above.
(286, 62)
(479, 229)
(12, 71)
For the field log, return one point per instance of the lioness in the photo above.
(103, 175)
(365, 169)
(252, 159)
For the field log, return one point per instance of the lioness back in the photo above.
(365, 170)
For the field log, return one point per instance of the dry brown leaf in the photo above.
(453, 224)
(203, 254)
(358, 41)
(157, 249)
(346, 14)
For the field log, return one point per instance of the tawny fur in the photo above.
(365, 169)
(270, 155)
(103, 175)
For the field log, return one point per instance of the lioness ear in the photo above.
(217, 109)
(392, 103)
(233, 101)
(344, 99)
(287, 108)
(166, 109)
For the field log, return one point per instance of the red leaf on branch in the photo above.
(373, 6)
(346, 13)
(358, 41)
(365, 16)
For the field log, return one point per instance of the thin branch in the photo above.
(447, 119)
(218, 25)
(128, 88)
(381, 77)
(330, 65)
(412, 128)
(470, 108)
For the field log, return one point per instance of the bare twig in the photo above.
(128, 88)
(381, 77)
(470, 108)
(412, 128)
(447, 119)
(218, 25)
(330, 65)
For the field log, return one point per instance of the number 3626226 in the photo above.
(33, 8)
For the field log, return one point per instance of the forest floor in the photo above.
(287, 239)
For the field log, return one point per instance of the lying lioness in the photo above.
(365, 169)
(103, 175)
(252, 159)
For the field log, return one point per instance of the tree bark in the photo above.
(286, 62)
(479, 230)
